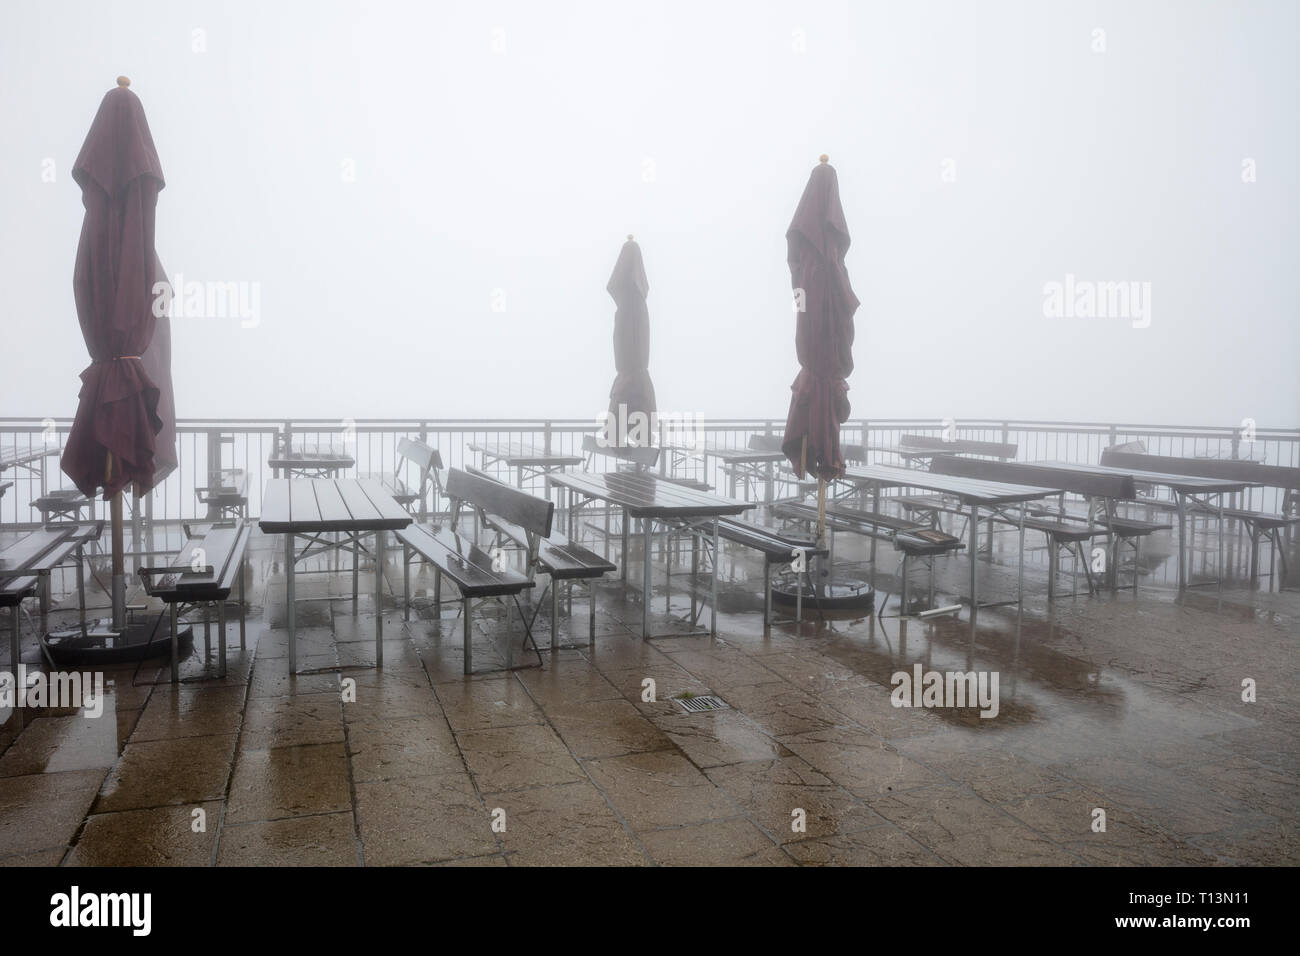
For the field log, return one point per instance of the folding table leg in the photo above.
(713, 581)
(356, 569)
(221, 635)
(555, 615)
(379, 598)
(973, 549)
(1182, 543)
(289, 600)
(591, 612)
(243, 571)
(645, 578)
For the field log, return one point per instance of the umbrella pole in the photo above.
(821, 510)
(119, 563)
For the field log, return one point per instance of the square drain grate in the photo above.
(695, 705)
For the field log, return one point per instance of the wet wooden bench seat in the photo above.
(203, 572)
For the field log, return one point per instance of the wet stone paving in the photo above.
(1122, 709)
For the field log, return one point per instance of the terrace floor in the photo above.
(1126, 702)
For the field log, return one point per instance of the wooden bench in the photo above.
(909, 538)
(961, 446)
(226, 495)
(778, 550)
(560, 559)
(1064, 530)
(428, 464)
(478, 574)
(202, 573)
(640, 457)
(63, 503)
(25, 568)
(1260, 525)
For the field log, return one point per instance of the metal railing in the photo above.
(204, 445)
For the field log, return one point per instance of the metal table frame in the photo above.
(705, 510)
(992, 497)
(387, 515)
(1205, 495)
(527, 461)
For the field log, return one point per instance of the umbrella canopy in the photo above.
(632, 386)
(113, 438)
(157, 361)
(816, 241)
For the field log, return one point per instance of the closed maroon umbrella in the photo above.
(157, 361)
(816, 241)
(632, 386)
(113, 438)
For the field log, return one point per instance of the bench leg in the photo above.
(591, 611)
(15, 642)
(81, 585)
(1053, 556)
(555, 615)
(767, 593)
(406, 582)
(176, 669)
(437, 589)
(902, 589)
(469, 654)
(510, 637)
(1254, 557)
(207, 633)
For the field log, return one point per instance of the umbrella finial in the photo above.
(124, 81)
(824, 159)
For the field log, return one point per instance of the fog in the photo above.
(427, 201)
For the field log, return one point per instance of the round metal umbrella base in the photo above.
(837, 594)
(100, 645)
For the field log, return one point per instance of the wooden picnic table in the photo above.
(30, 458)
(525, 459)
(643, 496)
(310, 460)
(16, 456)
(310, 507)
(974, 494)
(26, 564)
(1187, 489)
(747, 464)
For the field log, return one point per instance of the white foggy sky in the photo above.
(523, 170)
